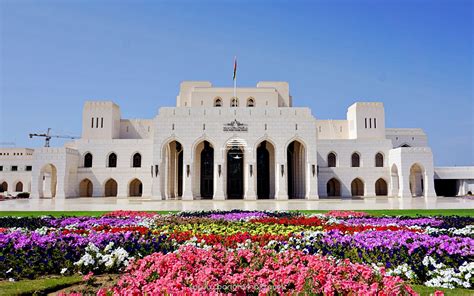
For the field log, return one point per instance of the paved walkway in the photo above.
(109, 204)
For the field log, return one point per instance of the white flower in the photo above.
(10, 270)
(63, 270)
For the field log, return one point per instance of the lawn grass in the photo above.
(426, 291)
(38, 286)
(46, 285)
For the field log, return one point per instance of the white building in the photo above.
(213, 145)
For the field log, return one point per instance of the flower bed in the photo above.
(314, 249)
(199, 271)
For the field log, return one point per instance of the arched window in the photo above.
(355, 160)
(234, 102)
(137, 160)
(218, 102)
(88, 160)
(332, 160)
(112, 161)
(250, 102)
(379, 160)
(19, 187)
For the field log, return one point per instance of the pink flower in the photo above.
(87, 276)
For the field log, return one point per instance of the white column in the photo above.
(219, 180)
(369, 190)
(282, 189)
(428, 178)
(155, 182)
(187, 174)
(404, 182)
(251, 180)
(312, 180)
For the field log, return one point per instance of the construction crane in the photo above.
(47, 137)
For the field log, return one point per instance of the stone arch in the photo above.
(48, 181)
(172, 155)
(381, 188)
(85, 188)
(110, 187)
(296, 169)
(357, 187)
(19, 186)
(417, 181)
(204, 156)
(265, 169)
(135, 188)
(333, 187)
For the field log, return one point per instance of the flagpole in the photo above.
(235, 84)
(235, 76)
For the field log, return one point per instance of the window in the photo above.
(1, 168)
(112, 161)
(365, 122)
(370, 122)
(97, 122)
(379, 160)
(101, 122)
(332, 160)
(218, 102)
(28, 168)
(250, 102)
(137, 160)
(88, 160)
(14, 168)
(375, 122)
(92, 122)
(234, 102)
(355, 160)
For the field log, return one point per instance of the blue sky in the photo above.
(414, 56)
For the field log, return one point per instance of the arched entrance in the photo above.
(296, 158)
(416, 180)
(265, 170)
(85, 188)
(3, 187)
(333, 187)
(204, 168)
(135, 188)
(357, 187)
(381, 187)
(19, 187)
(110, 188)
(174, 168)
(235, 173)
(48, 181)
